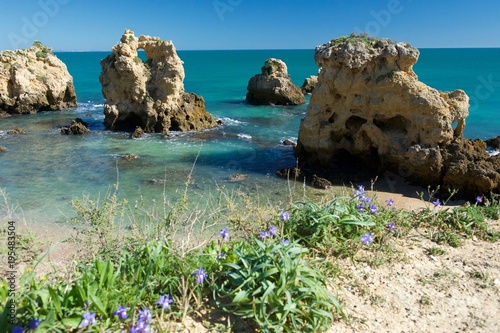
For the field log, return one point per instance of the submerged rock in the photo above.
(16, 130)
(369, 108)
(33, 80)
(149, 94)
(237, 177)
(273, 86)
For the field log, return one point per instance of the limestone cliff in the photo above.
(369, 105)
(149, 94)
(34, 79)
(273, 86)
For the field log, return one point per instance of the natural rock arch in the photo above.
(149, 94)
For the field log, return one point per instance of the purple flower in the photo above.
(221, 256)
(34, 323)
(263, 234)
(17, 329)
(285, 216)
(479, 199)
(365, 199)
(145, 316)
(367, 239)
(285, 242)
(224, 234)
(121, 312)
(373, 209)
(391, 227)
(437, 203)
(272, 231)
(201, 275)
(88, 319)
(164, 302)
(360, 207)
(389, 202)
(360, 192)
(141, 327)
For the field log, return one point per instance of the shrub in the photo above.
(274, 285)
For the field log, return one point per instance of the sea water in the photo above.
(44, 170)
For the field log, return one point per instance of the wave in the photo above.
(493, 152)
(244, 136)
(233, 122)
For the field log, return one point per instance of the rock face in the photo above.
(368, 105)
(273, 86)
(149, 94)
(33, 80)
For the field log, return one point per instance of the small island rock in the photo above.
(273, 86)
(77, 126)
(309, 84)
(149, 94)
(33, 80)
(369, 107)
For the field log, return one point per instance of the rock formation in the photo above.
(369, 106)
(33, 80)
(149, 94)
(309, 84)
(273, 86)
(77, 126)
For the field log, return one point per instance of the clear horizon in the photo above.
(197, 25)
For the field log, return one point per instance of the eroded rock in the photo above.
(369, 108)
(273, 86)
(149, 94)
(77, 127)
(309, 84)
(33, 80)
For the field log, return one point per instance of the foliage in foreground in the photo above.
(148, 283)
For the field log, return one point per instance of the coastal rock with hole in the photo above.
(369, 108)
(149, 94)
(273, 86)
(33, 80)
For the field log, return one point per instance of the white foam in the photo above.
(232, 122)
(244, 136)
(493, 152)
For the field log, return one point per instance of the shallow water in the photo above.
(44, 170)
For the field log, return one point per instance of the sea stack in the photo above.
(369, 106)
(273, 86)
(149, 94)
(33, 80)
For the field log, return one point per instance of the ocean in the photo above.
(44, 170)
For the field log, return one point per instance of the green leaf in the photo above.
(55, 301)
(71, 323)
(97, 302)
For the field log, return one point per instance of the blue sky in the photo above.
(82, 25)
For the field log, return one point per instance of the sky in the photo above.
(97, 25)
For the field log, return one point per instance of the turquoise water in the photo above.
(43, 170)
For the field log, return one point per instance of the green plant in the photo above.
(274, 285)
(333, 227)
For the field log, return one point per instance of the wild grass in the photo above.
(149, 268)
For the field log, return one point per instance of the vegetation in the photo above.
(368, 41)
(271, 266)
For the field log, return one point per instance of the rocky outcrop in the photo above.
(369, 106)
(77, 126)
(309, 84)
(33, 80)
(273, 86)
(149, 94)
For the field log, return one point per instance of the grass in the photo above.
(234, 256)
